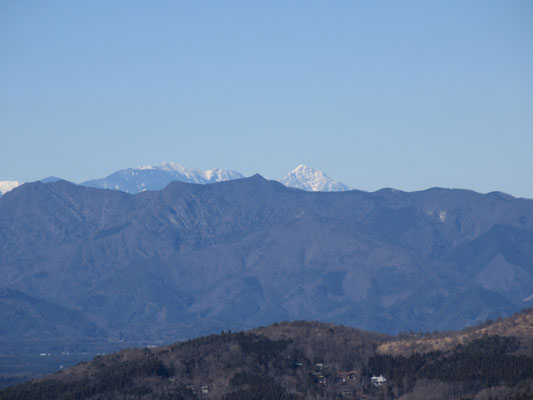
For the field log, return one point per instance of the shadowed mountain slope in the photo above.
(25, 317)
(192, 259)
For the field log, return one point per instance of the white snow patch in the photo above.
(442, 216)
(6, 186)
(171, 167)
(210, 173)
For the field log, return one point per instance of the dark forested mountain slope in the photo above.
(309, 360)
(192, 259)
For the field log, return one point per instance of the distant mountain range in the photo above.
(148, 177)
(312, 180)
(135, 180)
(192, 259)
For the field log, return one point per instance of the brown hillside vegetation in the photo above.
(308, 360)
(519, 325)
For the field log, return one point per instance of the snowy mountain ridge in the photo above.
(197, 175)
(6, 186)
(149, 177)
(313, 180)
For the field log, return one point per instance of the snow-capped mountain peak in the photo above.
(155, 177)
(150, 177)
(310, 179)
(219, 175)
(6, 186)
(172, 167)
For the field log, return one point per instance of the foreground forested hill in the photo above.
(309, 360)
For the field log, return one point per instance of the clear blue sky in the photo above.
(404, 94)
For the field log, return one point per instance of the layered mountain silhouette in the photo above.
(192, 259)
(149, 177)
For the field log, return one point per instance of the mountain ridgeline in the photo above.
(195, 259)
(149, 177)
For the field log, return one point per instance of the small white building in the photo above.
(378, 380)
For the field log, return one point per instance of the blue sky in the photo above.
(410, 94)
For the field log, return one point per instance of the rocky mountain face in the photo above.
(313, 180)
(193, 259)
(148, 177)
(309, 360)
